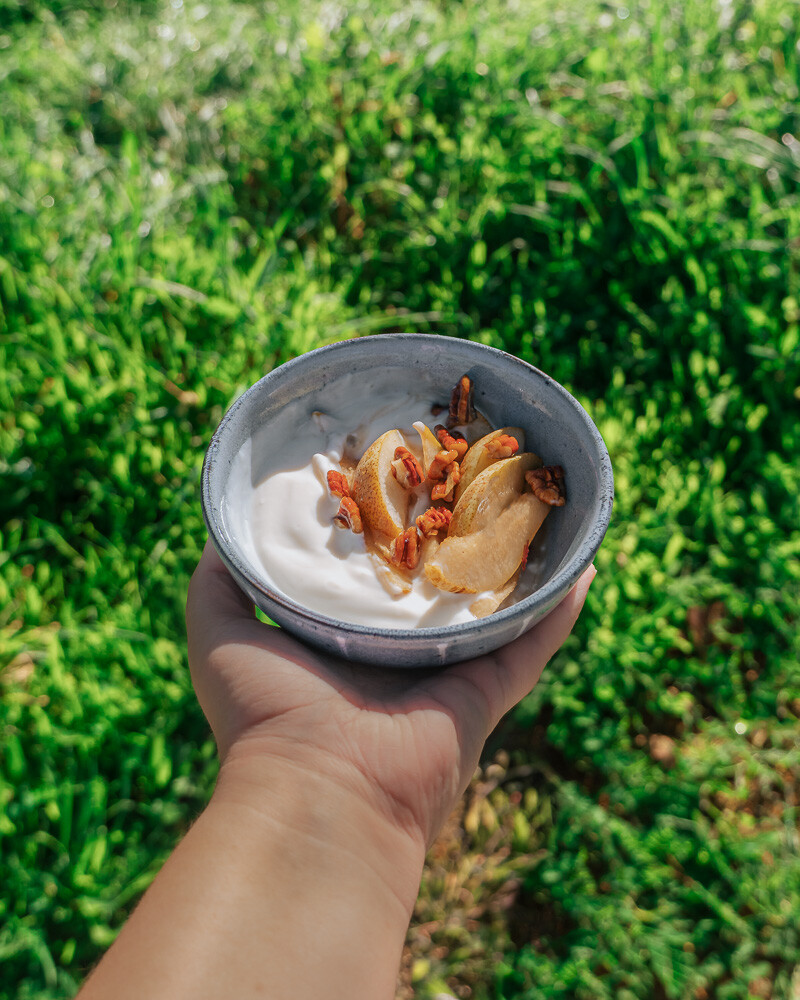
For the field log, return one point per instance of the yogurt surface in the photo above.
(282, 513)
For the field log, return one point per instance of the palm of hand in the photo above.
(408, 741)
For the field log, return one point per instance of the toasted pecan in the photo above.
(502, 447)
(349, 516)
(337, 484)
(445, 491)
(451, 440)
(461, 408)
(434, 520)
(404, 550)
(406, 469)
(547, 484)
(440, 466)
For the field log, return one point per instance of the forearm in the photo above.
(287, 886)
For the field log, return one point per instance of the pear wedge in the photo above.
(381, 499)
(478, 458)
(490, 492)
(486, 560)
(492, 524)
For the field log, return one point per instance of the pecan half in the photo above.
(337, 484)
(434, 520)
(404, 550)
(406, 469)
(502, 447)
(348, 516)
(461, 408)
(548, 484)
(451, 442)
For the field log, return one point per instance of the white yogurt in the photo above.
(281, 512)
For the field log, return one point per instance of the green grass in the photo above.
(191, 194)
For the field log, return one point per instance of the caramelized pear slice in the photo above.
(490, 492)
(381, 499)
(492, 525)
(479, 457)
(487, 559)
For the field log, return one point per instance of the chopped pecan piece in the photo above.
(349, 516)
(406, 469)
(444, 466)
(502, 447)
(440, 465)
(525, 553)
(404, 550)
(548, 484)
(451, 442)
(337, 484)
(444, 491)
(434, 520)
(461, 408)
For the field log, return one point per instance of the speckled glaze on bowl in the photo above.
(509, 392)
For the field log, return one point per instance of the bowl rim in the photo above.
(560, 583)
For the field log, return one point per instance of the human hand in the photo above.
(404, 742)
(300, 875)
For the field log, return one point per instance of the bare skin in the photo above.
(299, 878)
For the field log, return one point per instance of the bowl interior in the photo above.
(252, 438)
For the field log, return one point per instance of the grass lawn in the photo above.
(191, 193)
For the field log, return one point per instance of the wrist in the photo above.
(326, 821)
(288, 885)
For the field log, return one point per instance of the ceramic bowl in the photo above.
(508, 391)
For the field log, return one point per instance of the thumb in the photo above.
(218, 614)
(215, 606)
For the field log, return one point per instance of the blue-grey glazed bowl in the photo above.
(509, 392)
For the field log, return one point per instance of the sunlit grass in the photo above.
(191, 193)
